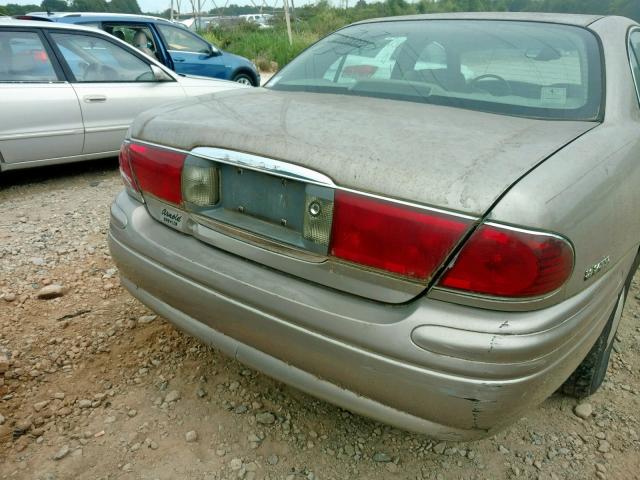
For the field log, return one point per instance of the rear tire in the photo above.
(588, 377)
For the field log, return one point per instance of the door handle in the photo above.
(178, 59)
(95, 98)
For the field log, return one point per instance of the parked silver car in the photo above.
(434, 251)
(69, 93)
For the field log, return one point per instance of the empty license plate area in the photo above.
(281, 209)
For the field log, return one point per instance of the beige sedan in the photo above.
(434, 250)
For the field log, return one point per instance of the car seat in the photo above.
(141, 42)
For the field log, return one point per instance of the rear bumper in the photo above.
(475, 372)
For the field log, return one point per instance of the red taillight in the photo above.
(158, 171)
(504, 262)
(393, 237)
(125, 167)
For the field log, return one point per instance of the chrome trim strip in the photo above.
(186, 51)
(57, 160)
(49, 133)
(543, 233)
(444, 293)
(108, 128)
(258, 240)
(296, 172)
(263, 164)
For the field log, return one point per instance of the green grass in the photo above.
(261, 46)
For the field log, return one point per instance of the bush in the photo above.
(262, 46)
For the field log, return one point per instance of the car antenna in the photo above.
(49, 12)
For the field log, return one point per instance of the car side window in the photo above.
(138, 36)
(92, 59)
(23, 58)
(180, 40)
(634, 54)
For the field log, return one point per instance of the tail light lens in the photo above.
(158, 171)
(124, 160)
(503, 262)
(200, 184)
(393, 237)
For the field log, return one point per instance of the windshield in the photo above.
(530, 69)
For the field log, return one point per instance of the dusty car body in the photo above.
(69, 93)
(432, 255)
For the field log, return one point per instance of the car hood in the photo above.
(194, 85)
(237, 59)
(441, 156)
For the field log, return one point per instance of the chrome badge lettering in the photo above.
(597, 268)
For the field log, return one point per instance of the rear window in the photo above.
(527, 69)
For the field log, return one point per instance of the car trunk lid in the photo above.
(447, 157)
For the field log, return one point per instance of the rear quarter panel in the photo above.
(590, 190)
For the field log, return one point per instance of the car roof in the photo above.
(562, 18)
(73, 17)
(14, 22)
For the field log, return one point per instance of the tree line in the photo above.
(322, 18)
(362, 9)
(115, 6)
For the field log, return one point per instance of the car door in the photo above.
(114, 84)
(190, 54)
(40, 116)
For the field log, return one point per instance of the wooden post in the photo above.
(288, 20)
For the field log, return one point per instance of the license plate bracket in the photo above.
(268, 198)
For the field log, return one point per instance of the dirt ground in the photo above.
(94, 386)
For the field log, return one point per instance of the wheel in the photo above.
(587, 378)
(243, 78)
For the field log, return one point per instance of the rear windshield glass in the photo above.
(527, 69)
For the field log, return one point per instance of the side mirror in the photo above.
(160, 75)
(213, 51)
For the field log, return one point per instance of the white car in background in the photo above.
(69, 93)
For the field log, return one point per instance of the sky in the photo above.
(160, 5)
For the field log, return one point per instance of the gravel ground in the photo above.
(93, 385)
